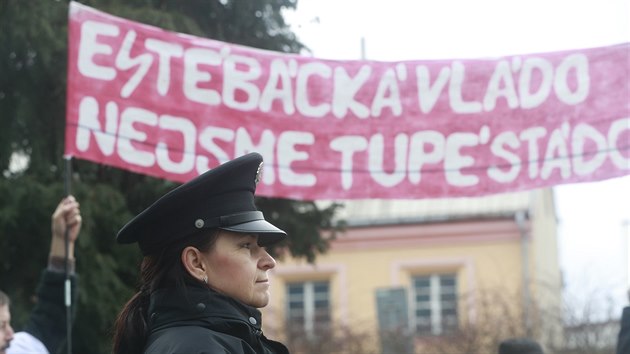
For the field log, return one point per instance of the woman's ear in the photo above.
(192, 259)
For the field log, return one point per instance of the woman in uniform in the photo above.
(205, 268)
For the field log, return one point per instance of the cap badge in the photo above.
(199, 223)
(259, 173)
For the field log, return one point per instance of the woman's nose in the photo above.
(267, 262)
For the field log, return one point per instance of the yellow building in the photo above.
(445, 274)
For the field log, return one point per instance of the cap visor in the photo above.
(267, 233)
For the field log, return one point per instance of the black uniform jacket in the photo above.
(199, 320)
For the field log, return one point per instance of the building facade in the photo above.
(411, 274)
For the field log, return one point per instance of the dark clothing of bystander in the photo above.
(47, 321)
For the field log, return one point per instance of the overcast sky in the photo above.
(593, 239)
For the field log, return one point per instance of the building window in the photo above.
(434, 304)
(308, 308)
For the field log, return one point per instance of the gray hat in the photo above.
(221, 198)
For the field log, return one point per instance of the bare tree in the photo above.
(573, 329)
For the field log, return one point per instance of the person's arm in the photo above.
(47, 321)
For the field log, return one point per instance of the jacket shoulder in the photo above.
(194, 339)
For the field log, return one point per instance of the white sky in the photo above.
(592, 236)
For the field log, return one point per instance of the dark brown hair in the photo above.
(160, 270)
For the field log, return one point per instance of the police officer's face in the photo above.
(6, 331)
(237, 267)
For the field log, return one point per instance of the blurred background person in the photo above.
(45, 330)
(6, 331)
(520, 346)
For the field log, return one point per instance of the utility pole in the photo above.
(363, 48)
(521, 221)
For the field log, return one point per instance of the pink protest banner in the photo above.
(172, 106)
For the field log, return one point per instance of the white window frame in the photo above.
(309, 299)
(435, 303)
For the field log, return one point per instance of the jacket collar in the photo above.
(201, 306)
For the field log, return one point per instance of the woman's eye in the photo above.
(246, 245)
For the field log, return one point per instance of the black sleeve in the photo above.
(47, 322)
(623, 342)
